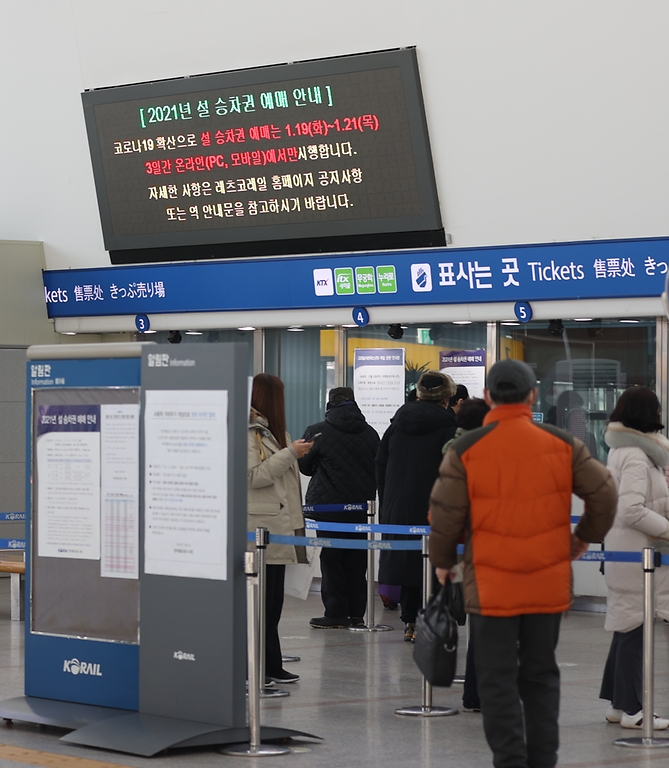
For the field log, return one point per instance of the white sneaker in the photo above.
(614, 715)
(636, 721)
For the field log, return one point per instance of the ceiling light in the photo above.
(583, 319)
(630, 321)
(246, 328)
(296, 328)
(510, 322)
(349, 325)
(193, 333)
(70, 333)
(145, 333)
(462, 322)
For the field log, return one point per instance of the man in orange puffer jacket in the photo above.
(507, 487)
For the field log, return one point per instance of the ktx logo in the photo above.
(421, 277)
(323, 282)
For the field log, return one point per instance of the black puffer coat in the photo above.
(407, 466)
(341, 463)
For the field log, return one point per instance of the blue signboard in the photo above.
(590, 270)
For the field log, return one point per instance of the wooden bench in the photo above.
(15, 569)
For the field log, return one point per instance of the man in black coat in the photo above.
(341, 466)
(407, 466)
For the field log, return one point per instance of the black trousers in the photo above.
(343, 579)
(276, 576)
(411, 601)
(470, 689)
(622, 683)
(519, 686)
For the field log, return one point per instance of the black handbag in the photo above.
(456, 602)
(436, 646)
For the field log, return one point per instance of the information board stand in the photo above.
(185, 685)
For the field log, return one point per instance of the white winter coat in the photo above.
(636, 461)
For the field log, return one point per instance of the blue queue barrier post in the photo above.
(426, 708)
(254, 748)
(262, 540)
(370, 624)
(646, 740)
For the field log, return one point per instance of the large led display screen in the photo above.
(323, 149)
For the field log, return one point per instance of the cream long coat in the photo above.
(636, 461)
(274, 491)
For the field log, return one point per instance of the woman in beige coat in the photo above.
(274, 502)
(637, 461)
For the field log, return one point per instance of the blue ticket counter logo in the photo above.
(421, 278)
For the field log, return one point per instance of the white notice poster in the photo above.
(378, 383)
(68, 481)
(466, 366)
(119, 440)
(186, 488)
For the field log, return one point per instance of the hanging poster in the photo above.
(378, 383)
(68, 469)
(186, 485)
(119, 431)
(466, 366)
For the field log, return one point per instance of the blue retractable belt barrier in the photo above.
(612, 557)
(407, 530)
(18, 544)
(310, 508)
(312, 541)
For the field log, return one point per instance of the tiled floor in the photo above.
(351, 685)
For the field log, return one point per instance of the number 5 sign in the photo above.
(523, 311)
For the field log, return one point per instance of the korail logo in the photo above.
(184, 656)
(421, 277)
(76, 667)
(323, 282)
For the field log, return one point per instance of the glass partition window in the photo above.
(303, 358)
(582, 368)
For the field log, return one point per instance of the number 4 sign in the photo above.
(360, 316)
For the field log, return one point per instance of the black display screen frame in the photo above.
(415, 230)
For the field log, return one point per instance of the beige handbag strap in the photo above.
(261, 447)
